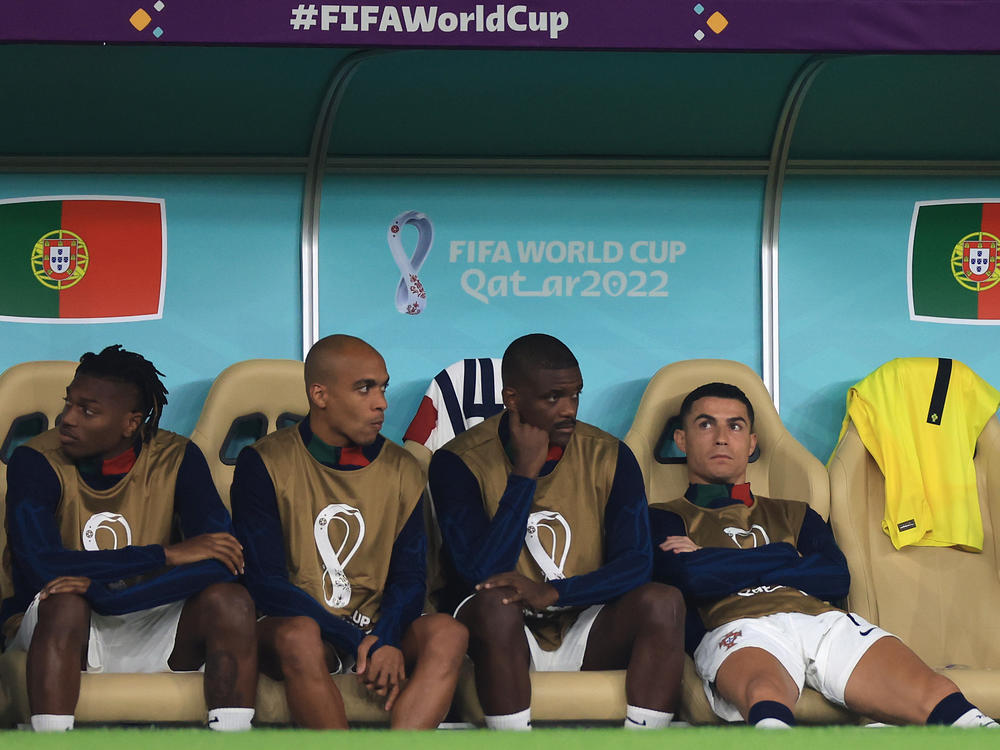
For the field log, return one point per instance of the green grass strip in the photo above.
(697, 738)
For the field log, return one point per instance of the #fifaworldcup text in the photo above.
(427, 18)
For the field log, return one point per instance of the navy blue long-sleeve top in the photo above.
(38, 554)
(479, 547)
(814, 565)
(258, 527)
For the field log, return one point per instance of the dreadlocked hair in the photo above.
(115, 363)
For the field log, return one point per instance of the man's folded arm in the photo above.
(175, 584)
(821, 571)
(712, 572)
(33, 495)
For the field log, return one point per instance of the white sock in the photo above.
(51, 722)
(519, 722)
(971, 718)
(230, 719)
(771, 723)
(646, 718)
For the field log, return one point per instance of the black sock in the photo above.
(770, 710)
(949, 709)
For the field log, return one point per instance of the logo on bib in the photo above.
(738, 535)
(548, 539)
(106, 531)
(343, 522)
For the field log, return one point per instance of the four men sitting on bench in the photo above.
(549, 540)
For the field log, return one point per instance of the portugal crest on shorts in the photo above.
(729, 639)
(59, 259)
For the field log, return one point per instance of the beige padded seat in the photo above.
(784, 469)
(31, 398)
(247, 401)
(942, 602)
(165, 698)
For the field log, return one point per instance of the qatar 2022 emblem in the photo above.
(411, 296)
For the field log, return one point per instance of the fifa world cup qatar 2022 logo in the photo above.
(411, 297)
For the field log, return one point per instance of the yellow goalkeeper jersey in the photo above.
(920, 417)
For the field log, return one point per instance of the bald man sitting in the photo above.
(329, 513)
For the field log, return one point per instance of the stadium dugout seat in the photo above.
(780, 467)
(941, 601)
(247, 401)
(31, 400)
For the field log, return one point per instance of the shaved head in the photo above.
(326, 354)
(345, 383)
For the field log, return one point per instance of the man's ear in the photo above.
(509, 396)
(680, 439)
(753, 443)
(132, 423)
(317, 395)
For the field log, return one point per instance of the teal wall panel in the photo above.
(844, 309)
(712, 308)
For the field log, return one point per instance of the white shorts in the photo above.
(820, 651)
(138, 642)
(569, 656)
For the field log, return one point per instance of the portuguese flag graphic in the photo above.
(81, 259)
(954, 269)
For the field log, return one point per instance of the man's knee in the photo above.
(445, 642)
(298, 644)
(657, 604)
(64, 616)
(489, 619)
(227, 608)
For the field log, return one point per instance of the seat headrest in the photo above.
(247, 401)
(31, 400)
(782, 465)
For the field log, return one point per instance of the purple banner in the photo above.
(758, 25)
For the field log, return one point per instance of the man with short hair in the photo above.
(759, 574)
(545, 525)
(100, 581)
(330, 515)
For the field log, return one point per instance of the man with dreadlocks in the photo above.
(102, 583)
